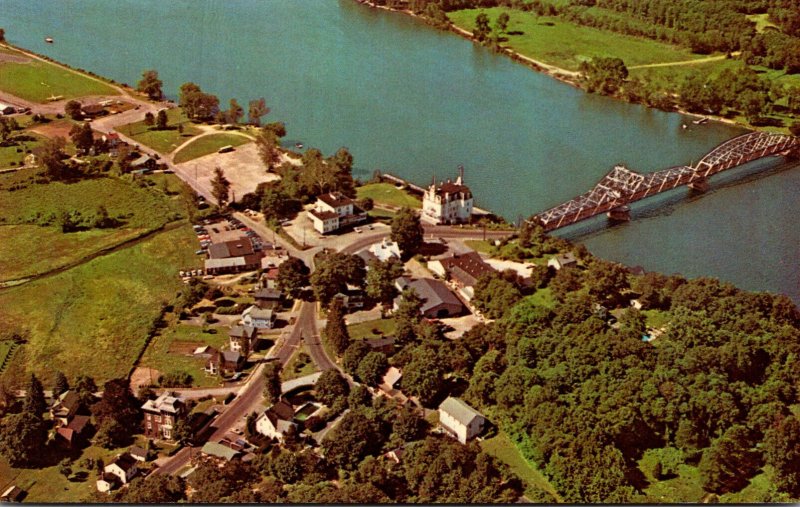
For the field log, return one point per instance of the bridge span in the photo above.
(621, 187)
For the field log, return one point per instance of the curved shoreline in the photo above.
(569, 77)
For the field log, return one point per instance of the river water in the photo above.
(417, 102)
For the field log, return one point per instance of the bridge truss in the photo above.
(622, 186)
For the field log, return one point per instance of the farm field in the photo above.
(37, 80)
(566, 45)
(30, 219)
(388, 194)
(206, 145)
(93, 319)
(163, 141)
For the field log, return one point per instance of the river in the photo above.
(411, 100)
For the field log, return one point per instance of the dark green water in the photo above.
(407, 99)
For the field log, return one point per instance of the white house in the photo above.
(460, 419)
(448, 202)
(562, 261)
(258, 318)
(333, 211)
(121, 470)
(385, 250)
(276, 421)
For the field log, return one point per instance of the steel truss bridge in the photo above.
(622, 186)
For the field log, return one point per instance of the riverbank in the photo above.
(573, 78)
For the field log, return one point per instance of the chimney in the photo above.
(460, 180)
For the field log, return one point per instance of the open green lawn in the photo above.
(208, 144)
(11, 156)
(566, 45)
(93, 319)
(37, 81)
(30, 247)
(48, 485)
(171, 350)
(502, 448)
(543, 297)
(386, 193)
(480, 245)
(299, 365)
(365, 330)
(163, 141)
(656, 318)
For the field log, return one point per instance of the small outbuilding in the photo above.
(460, 420)
(561, 261)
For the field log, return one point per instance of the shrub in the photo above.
(175, 379)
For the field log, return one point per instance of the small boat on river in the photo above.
(48, 40)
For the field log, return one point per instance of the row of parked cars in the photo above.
(255, 239)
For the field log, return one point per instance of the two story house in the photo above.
(162, 414)
(333, 211)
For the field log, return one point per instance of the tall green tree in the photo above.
(255, 110)
(333, 272)
(372, 368)
(150, 85)
(782, 452)
(407, 231)
(34, 397)
(82, 137)
(407, 316)
(331, 387)
(61, 384)
(23, 438)
(118, 404)
(335, 329)
(220, 187)
(235, 112)
(292, 277)
(380, 280)
(482, 29)
(729, 462)
(423, 376)
(162, 119)
(272, 378)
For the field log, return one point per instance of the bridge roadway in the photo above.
(622, 186)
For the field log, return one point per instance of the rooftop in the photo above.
(167, 402)
(434, 293)
(335, 199)
(466, 268)
(220, 451)
(226, 249)
(259, 313)
(125, 461)
(459, 410)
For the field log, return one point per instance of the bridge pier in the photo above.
(621, 214)
(700, 185)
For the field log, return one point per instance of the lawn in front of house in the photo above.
(171, 351)
(502, 448)
(29, 219)
(37, 80)
(388, 194)
(165, 140)
(366, 330)
(93, 319)
(208, 144)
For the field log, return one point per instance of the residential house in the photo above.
(461, 420)
(438, 301)
(121, 470)
(560, 261)
(72, 433)
(143, 164)
(138, 453)
(448, 202)
(463, 271)
(7, 109)
(334, 211)
(269, 279)
(385, 250)
(258, 318)
(276, 421)
(243, 337)
(65, 407)
(268, 298)
(230, 361)
(391, 381)
(162, 414)
(92, 110)
(13, 495)
(352, 299)
(385, 345)
(217, 450)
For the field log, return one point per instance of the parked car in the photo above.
(200, 252)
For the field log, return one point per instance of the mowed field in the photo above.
(565, 45)
(388, 194)
(208, 144)
(37, 80)
(166, 140)
(44, 247)
(93, 319)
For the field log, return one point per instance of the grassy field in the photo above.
(388, 194)
(37, 80)
(93, 319)
(206, 145)
(171, 350)
(480, 245)
(566, 45)
(163, 141)
(44, 247)
(502, 448)
(365, 330)
(48, 485)
(11, 156)
(299, 365)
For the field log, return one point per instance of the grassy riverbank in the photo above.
(207, 145)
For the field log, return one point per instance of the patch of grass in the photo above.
(685, 488)
(93, 319)
(206, 145)
(762, 21)
(388, 194)
(566, 45)
(299, 365)
(480, 245)
(758, 490)
(30, 221)
(502, 448)
(163, 141)
(378, 213)
(170, 352)
(365, 330)
(11, 156)
(656, 318)
(37, 80)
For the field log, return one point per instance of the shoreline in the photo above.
(565, 76)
